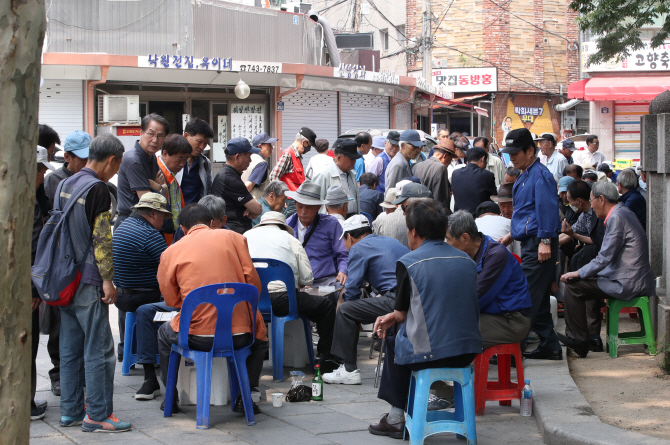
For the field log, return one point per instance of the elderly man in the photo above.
(174, 155)
(591, 155)
(341, 173)
(273, 199)
(378, 146)
(630, 195)
(257, 176)
(394, 225)
(567, 148)
(320, 161)
(574, 170)
(535, 222)
(85, 321)
(611, 175)
(494, 164)
(504, 199)
(241, 207)
(490, 222)
(382, 161)
(137, 249)
(370, 197)
(620, 271)
(512, 174)
(473, 184)
(203, 257)
(289, 168)
(434, 173)
(273, 238)
(554, 161)
(363, 145)
(569, 214)
(337, 203)
(195, 178)
(319, 234)
(76, 156)
(437, 307)
(399, 167)
(504, 301)
(139, 172)
(372, 259)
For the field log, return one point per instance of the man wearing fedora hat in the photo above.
(504, 199)
(319, 235)
(341, 172)
(434, 172)
(337, 203)
(273, 238)
(399, 167)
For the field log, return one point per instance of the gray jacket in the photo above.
(205, 172)
(397, 169)
(622, 266)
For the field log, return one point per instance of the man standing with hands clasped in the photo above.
(535, 222)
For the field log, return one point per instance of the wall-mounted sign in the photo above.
(645, 59)
(218, 153)
(166, 61)
(349, 71)
(466, 80)
(605, 110)
(280, 105)
(247, 120)
(128, 131)
(536, 119)
(528, 114)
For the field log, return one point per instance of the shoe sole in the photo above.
(384, 433)
(148, 396)
(100, 429)
(73, 423)
(342, 382)
(40, 417)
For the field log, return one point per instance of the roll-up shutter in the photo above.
(627, 116)
(62, 106)
(364, 111)
(403, 116)
(313, 109)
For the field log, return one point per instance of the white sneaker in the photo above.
(341, 375)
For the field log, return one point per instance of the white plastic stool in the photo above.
(295, 349)
(554, 309)
(188, 390)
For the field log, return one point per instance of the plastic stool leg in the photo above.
(481, 382)
(468, 391)
(613, 328)
(277, 349)
(421, 393)
(504, 376)
(129, 359)
(203, 369)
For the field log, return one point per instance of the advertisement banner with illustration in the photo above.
(536, 119)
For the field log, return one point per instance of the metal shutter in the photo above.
(313, 109)
(627, 128)
(364, 111)
(403, 116)
(62, 106)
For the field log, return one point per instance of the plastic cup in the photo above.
(277, 399)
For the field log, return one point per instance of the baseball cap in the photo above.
(413, 190)
(389, 196)
(238, 145)
(546, 137)
(309, 134)
(43, 157)
(487, 207)
(262, 138)
(517, 140)
(413, 137)
(378, 142)
(77, 143)
(336, 196)
(348, 147)
(153, 201)
(393, 137)
(564, 182)
(353, 223)
(569, 144)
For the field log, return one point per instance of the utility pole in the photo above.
(427, 42)
(357, 15)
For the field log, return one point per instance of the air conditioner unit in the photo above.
(118, 109)
(359, 40)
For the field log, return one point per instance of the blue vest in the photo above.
(510, 291)
(386, 160)
(443, 317)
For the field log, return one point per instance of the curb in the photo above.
(563, 415)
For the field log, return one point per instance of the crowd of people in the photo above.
(448, 251)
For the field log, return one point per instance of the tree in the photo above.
(617, 24)
(22, 26)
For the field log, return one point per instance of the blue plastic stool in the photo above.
(279, 271)
(130, 345)
(421, 423)
(223, 347)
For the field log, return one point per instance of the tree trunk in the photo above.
(22, 26)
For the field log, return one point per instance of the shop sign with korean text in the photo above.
(466, 80)
(360, 72)
(645, 59)
(165, 61)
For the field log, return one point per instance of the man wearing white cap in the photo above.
(378, 146)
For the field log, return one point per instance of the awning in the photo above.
(619, 88)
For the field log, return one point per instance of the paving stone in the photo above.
(364, 411)
(178, 435)
(39, 428)
(326, 423)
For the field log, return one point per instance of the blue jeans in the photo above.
(85, 336)
(146, 331)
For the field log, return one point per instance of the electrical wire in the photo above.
(110, 29)
(529, 22)
(372, 3)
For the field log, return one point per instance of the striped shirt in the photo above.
(392, 225)
(137, 248)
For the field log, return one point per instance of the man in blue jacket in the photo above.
(535, 222)
(631, 197)
(436, 307)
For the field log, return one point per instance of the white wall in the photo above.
(602, 125)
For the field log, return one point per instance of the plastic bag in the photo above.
(299, 392)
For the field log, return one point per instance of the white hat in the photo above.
(43, 157)
(274, 218)
(353, 223)
(389, 197)
(399, 185)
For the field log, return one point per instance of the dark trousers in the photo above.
(394, 384)
(320, 310)
(539, 277)
(128, 301)
(349, 315)
(167, 337)
(35, 345)
(53, 344)
(146, 331)
(579, 299)
(594, 316)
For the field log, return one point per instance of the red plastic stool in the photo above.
(503, 390)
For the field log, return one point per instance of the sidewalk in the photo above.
(342, 418)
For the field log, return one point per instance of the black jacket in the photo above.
(471, 186)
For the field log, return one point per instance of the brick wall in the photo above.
(410, 27)
(497, 40)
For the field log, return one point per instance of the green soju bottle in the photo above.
(317, 384)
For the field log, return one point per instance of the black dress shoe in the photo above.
(55, 388)
(540, 354)
(175, 405)
(239, 406)
(596, 344)
(581, 348)
(383, 428)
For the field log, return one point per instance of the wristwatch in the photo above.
(546, 241)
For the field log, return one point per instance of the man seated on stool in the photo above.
(137, 246)
(205, 256)
(620, 271)
(320, 236)
(372, 259)
(504, 301)
(337, 203)
(371, 198)
(272, 238)
(436, 308)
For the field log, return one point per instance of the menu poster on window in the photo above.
(222, 136)
(247, 120)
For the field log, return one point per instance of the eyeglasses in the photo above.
(152, 134)
(404, 207)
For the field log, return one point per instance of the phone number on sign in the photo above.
(261, 68)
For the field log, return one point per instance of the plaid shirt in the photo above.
(284, 166)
